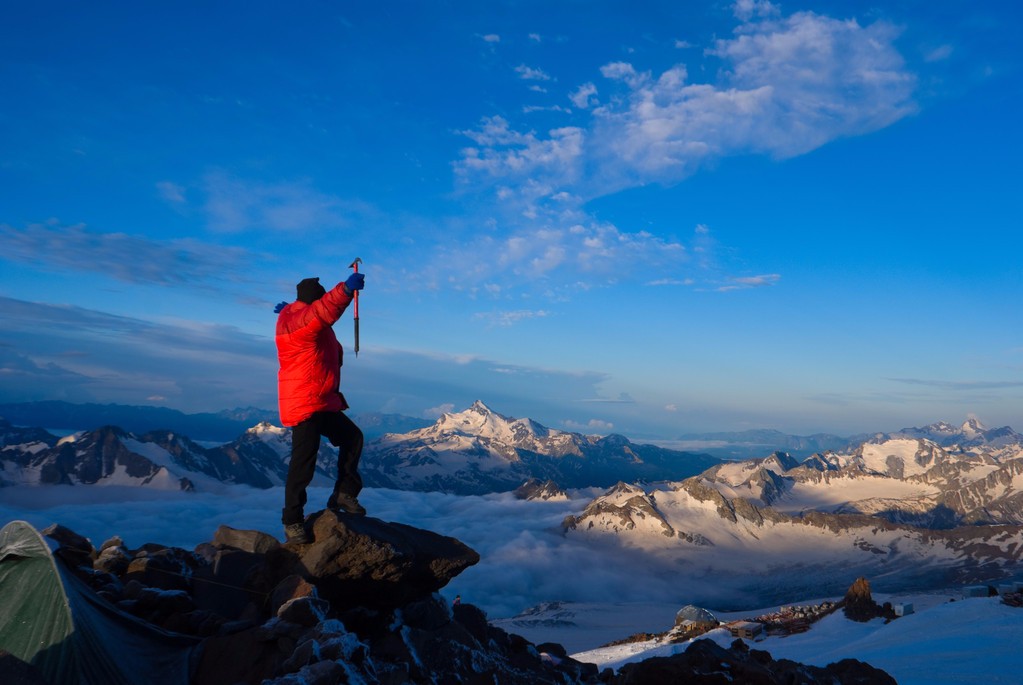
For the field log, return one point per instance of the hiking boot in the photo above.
(346, 504)
(295, 534)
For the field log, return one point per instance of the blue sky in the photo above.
(652, 219)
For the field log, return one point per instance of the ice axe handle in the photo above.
(355, 296)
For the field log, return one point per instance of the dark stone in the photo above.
(472, 619)
(222, 587)
(706, 663)
(429, 613)
(253, 541)
(167, 569)
(858, 604)
(304, 611)
(362, 560)
(288, 589)
(249, 656)
(113, 560)
(73, 548)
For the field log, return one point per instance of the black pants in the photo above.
(305, 443)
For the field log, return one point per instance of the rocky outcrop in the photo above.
(359, 604)
(359, 559)
(706, 663)
(859, 605)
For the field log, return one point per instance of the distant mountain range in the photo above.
(473, 452)
(159, 459)
(222, 426)
(899, 507)
(757, 443)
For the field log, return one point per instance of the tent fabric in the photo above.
(53, 620)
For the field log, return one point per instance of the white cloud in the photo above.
(535, 37)
(682, 44)
(491, 38)
(584, 96)
(531, 73)
(560, 257)
(510, 318)
(671, 407)
(591, 426)
(438, 411)
(749, 9)
(788, 85)
(745, 282)
(939, 53)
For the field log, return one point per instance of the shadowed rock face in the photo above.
(706, 663)
(362, 560)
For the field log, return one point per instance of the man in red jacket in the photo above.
(311, 403)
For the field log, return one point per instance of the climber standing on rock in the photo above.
(310, 399)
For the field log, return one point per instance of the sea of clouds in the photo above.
(525, 559)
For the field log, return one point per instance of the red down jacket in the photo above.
(310, 356)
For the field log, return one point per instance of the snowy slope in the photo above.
(954, 642)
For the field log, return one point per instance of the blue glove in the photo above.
(355, 282)
(279, 307)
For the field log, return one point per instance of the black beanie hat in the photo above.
(310, 290)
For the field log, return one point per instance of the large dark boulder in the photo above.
(360, 560)
(706, 663)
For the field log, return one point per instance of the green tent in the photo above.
(51, 619)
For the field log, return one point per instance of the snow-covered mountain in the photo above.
(972, 433)
(478, 451)
(897, 508)
(158, 459)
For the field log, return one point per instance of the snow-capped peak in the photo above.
(973, 427)
(265, 427)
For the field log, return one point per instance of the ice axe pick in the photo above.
(355, 265)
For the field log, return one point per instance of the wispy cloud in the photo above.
(938, 54)
(531, 73)
(788, 85)
(491, 38)
(959, 385)
(123, 359)
(570, 258)
(127, 258)
(591, 426)
(233, 205)
(438, 411)
(510, 318)
(746, 282)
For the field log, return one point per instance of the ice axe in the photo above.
(355, 265)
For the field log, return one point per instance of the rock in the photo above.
(229, 585)
(112, 559)
(167, 569)
(859, 605)
(304, 611)
(66, 537)
(248, 656)
(253, 541)
(115, 541)
(706, 663)
(288, 589)
(534, 489)
(320, 673)
(362, 560)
